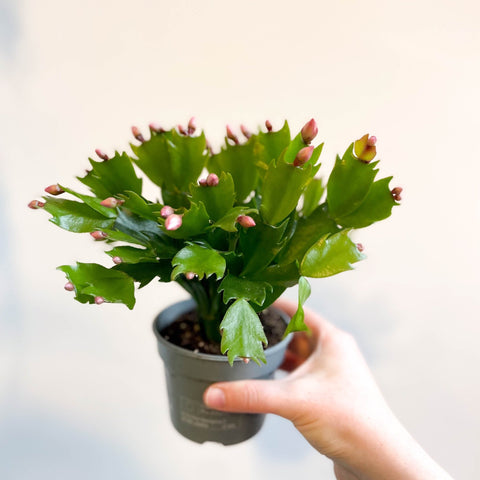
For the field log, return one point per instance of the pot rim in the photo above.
(209, 356)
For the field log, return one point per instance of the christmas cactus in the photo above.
(233, 228)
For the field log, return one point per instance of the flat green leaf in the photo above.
(92, 202)
(312, 196)
(279, 275)
(282, 187)
(242, 333)
(239, 161)
(270, 145)
(308, 231)
(297, 322)
(145, 272)
(236, 287)
(91, 280)
(202, 261)
(376, 206)
(194, 222)
(138, 205)
(112, 177)
(330, 255)
(218, 199)
(131, 254)
(260, 245)
(229, 221)
(295, 146)
(75, 216)
(349, 183)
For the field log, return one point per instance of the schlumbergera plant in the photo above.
(256, 223)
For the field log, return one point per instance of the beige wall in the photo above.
(81, 388)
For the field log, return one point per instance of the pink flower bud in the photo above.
(364, 148)
(203, 182)
(69, 287)
(34, 204)
(111, 202)
(117, 260)
(245, 131)
(396, 193)
(189, 275)
(99, 300)
(360, 247)
(212, 180)
(181, 130)
(303, 156)
(246, 221)
(101, 154)
(173, 222)
(191, 127)
(309, 131)
(231, 136)
(166, 211)
(269, 126)
(54, 189)
(245, 360)
(155, 127)
(137, 134)
(98, 235)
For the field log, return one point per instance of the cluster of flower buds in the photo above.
(309, 131)
(137, 134)
(303, 156)
(112, 202)
(34, 204)
(101, 154)
(98, 235)
(210, 181)
(396, 193)
(54, 189)
(365, 149)
(246, 221)
(231, 136)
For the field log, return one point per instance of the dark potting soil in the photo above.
(185, 332)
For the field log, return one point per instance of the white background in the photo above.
(82, 393)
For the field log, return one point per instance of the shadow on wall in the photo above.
(9, 28)
(35, 445)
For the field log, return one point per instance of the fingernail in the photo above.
(215, 398)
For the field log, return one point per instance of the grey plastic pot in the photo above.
(189, 374)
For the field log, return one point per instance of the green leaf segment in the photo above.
(238, 239)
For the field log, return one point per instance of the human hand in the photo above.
(332, 399)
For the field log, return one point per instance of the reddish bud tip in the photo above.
(137, 134)
(396, 193)
(155, 127)
(246, 221)
(231, 136)
(212, 180)
(245, 131)
(117, 260)
(309, 131)
(54, 189)
(98, 235)
(181, 130)
(99, 300)
(173, 222)
(372, 141)
(192, 126)
(189, 275)
(245, 360)
(360, 247)
(101, 154)
(111, 202)
(34, 204)
(303, 156)
(269, 126)
(69, 287)
(203, 182)
(166, 211)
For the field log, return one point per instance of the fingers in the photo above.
(249, 396)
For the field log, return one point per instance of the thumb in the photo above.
(249, 396)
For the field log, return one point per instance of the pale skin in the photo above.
(331, 397)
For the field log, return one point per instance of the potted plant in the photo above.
(235, 229)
